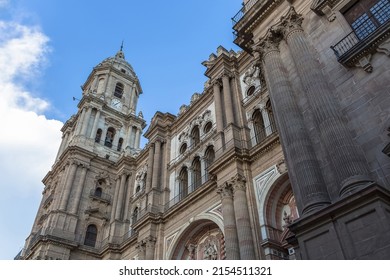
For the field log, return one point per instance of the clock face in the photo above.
(116, 103)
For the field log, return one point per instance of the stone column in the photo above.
(115, 200)
(119, 203)
(150, 244)
(149, 173)
(131, 106)
(68, 186)
(127, 201)
(95, 125)
(345, 155)
(229, 223)
(80, 121)
(305, 174)
(241, 211)
(218, 105)
(128, 137)
(79, 190)
(156, 164)
(203, 171)
(86, 121)
(137, 138)
(190, 181)
(228, 99)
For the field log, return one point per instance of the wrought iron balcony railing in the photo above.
(243, 10)
(365, 29)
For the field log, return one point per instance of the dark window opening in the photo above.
(250, 91)
(98, 192)
(183, 148)
(208, 127)
(209, 159)
(120, 143)
(90, 236)
(183, 182)
(197, 174)
(98, 135)
(195, 135)
(258, 126)
(109, 137)
(118, 90)
(134, 217)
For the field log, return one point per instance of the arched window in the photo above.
(250, 91)
(183, 148)
(196, 173)
(100, 87)
(208, 126)
(90, 236)
(134, 217)
(98, 192)
(109, 137)
(195, 135)
(120, 143)
(270, 115)
(258, 126)
(98, 135)
(209, 159)
(183, 182)
(137, 189)
(118, 90)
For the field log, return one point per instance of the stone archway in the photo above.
(280, 210)
(201, 240)
(277, 209)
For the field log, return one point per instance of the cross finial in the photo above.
(122, 46)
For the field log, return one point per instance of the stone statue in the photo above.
(210, 251)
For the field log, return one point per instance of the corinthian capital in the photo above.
(225, 190)
(238, 182)
(291, 22)
(216, 82)
(269, 43)
(150, 241)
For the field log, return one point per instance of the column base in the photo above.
(355, 227)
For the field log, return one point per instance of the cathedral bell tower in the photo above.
(85, 201)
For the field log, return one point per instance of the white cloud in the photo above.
(28, 140)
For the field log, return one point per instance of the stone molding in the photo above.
(325, 7)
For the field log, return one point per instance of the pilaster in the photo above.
(229, 222)
(241, 211)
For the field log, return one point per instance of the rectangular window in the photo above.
(365, 16)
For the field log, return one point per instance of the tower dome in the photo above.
(118, 62)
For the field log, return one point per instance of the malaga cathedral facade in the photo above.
(284, 155)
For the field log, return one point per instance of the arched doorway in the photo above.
(279, 211)
(202, 240)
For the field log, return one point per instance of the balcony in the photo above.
(102, 197)
(203, 181)
(248, 18)
(369, 32)
(242, 11)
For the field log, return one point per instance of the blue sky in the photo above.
(47, 50)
